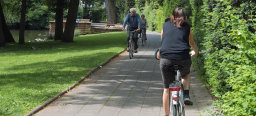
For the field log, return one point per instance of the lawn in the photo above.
(33, 73)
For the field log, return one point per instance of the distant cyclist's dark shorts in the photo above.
(168, 75)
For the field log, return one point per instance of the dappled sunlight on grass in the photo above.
(35, 72)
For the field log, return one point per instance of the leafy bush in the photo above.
(157, 11)
(226, 31)
(150, 14)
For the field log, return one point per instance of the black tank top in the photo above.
(175, 42)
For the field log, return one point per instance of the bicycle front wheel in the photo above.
(131, 49)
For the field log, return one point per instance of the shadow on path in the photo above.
(124, 87)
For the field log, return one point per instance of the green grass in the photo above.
(33, 73)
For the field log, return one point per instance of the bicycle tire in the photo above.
(130, 49)
(181, 94)
(181, 97)
(175, 110)
(143, 37)
(142, 41)
(182, 110)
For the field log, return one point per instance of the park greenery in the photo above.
(34, 73)
(39, 12)
(224, 31)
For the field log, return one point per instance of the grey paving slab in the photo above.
(126, 87)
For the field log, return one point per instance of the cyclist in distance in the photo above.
(144, 24)
(177, 38)
(134, 23)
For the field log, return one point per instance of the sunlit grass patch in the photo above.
(33, 73)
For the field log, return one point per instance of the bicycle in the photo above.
(131, 43)
(176, 100)
(143, 36)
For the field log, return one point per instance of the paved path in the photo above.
(126, 87)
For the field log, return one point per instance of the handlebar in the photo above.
(133, 30)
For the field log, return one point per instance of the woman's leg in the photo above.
(168, 76)
(186, 82)
(166, 101)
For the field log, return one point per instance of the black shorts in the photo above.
(168, 75)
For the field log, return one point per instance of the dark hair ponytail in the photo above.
(179, 17)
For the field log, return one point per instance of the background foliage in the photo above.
(40, 12)
(155, 11)
(225, 33)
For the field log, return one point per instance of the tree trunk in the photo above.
(5, 35)
(2, 38)
(22, 22)
(59, 20)
(111, 11)
(68, 35)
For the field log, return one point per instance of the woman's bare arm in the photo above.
(192, 43)
(162, 34)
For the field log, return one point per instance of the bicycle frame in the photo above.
(176, 101)
(131, 43)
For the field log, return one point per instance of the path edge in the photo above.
(45, 104)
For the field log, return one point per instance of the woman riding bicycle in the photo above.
(177, 38)
(144, 24)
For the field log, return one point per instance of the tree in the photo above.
(38, 14)
(5, 34)
(2, 41)
(111, 11)
(59, 20)
(68, 35)
(93, 10)
(22, 22)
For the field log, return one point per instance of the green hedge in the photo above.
(227, 61)
(157, 11)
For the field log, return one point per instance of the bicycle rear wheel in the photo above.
(182, 110)
(175, 110)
